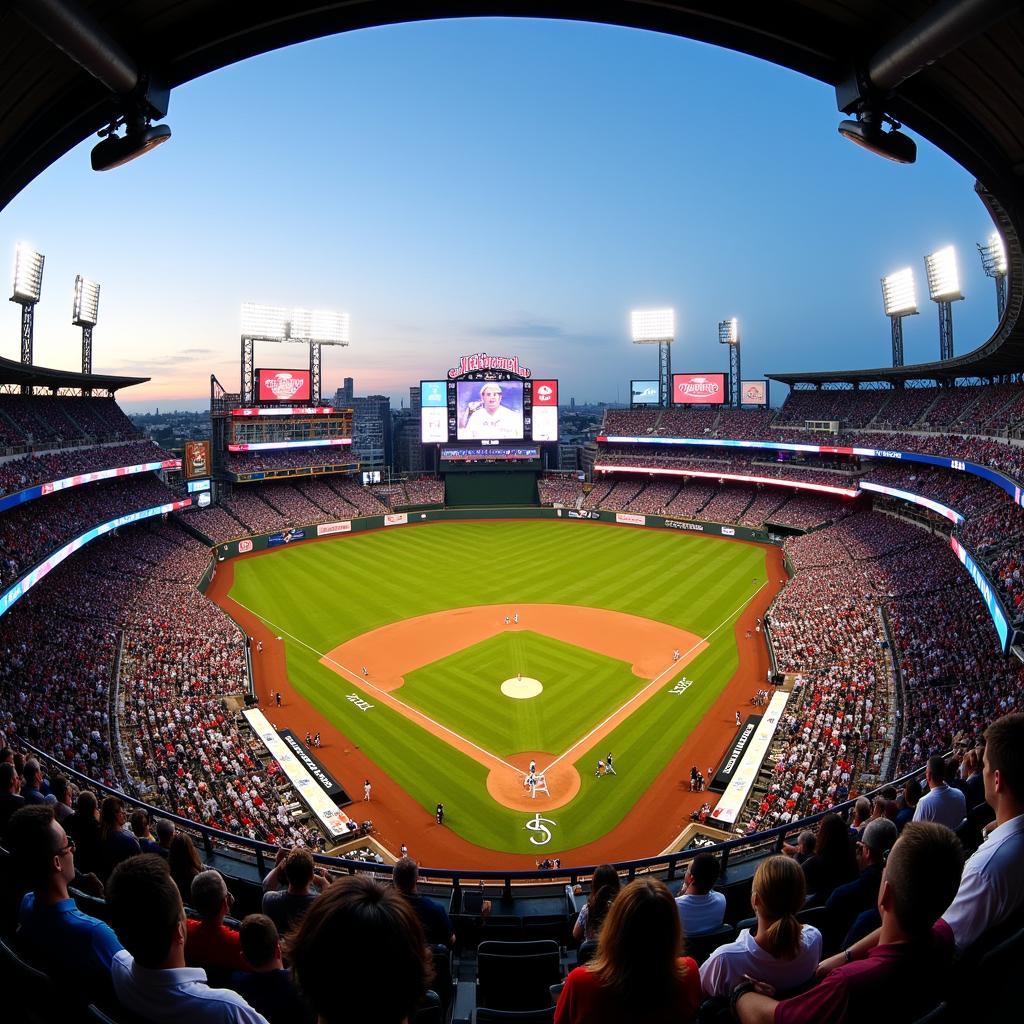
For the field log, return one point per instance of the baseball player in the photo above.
(608, 769)
(366, 791)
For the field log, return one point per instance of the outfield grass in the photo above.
(463, 691)
(320, 595)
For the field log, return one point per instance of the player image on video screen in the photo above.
(490, 411)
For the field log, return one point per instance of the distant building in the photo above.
(569, 456)
(588, 456)
(408, 449)
(371, 429)
(344, 395)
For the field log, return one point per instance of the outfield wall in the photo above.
(298, 535)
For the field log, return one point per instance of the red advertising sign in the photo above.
(197, 459)
(283, 385)
(545, 392)
(698, 388)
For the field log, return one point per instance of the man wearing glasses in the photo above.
(53, 933)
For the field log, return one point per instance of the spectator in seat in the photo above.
(164, 835)
(832, 863)
(150, 976)
(139, 822)
(638, 973)
(783, 952)
(805, 846)
(971, 782)
(62, 798)
(84, 827)
(32, 783)
(919, 878)
(372, 934)
(265, 984)
(941, 803)
(11, 799)
(861, 814)
(211, 944)
(183, 862)
(287, 906)
(701, 909)
(604, 887)
(436, 925)
(116, 844)
(908, 801)
(849, 901)
(55, 935)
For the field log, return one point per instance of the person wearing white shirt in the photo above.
(149, 975)
(942, 803)
(488, 419)
(784, 953)
(701, 909)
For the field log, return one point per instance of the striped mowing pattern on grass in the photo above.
(326, 593)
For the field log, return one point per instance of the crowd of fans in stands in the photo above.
(61, 421)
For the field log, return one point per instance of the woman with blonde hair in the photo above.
(783, 952)
(639, 973)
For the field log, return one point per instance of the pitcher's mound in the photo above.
(521, 688)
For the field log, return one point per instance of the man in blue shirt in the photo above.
(701, 908)
(436, 925)
(69, 945)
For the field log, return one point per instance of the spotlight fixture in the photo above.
(866, 131)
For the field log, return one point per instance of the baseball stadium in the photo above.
(734, 631)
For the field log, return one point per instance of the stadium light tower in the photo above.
(657, 327)
(729, 334)
(899, 296)
(944, 290)
(28, 284)
(85, 313)
(993, 261)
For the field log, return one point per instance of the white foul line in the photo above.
(654, 681)
(365, 684)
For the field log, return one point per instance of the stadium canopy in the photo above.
(15, 374)
(950, 70)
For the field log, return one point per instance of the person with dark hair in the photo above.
(907, 803)
(211, 944)
(116, 844)
(604, 887)
(32, 783)
(265, 984)
(11, 799)
(942, 803)
(919, 879)
(62, 797)
(436, 925)
(84, 827)
(832, 863)
(373, 933)
(183, 863)
(164, 834)
(638, 973)
(150, 976)
(54, 934)
(286, 907)
(701, 909)
(782, 952)
(139, 824)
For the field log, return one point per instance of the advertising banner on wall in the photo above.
(735, 754)
(630, 519)
(326, 529)
(283, 385)
(699, 388)
(396, 519)
(285, 537)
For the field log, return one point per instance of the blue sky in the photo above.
(496, 185)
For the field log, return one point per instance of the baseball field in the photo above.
(438, 661)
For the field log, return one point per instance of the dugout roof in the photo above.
(969, 101)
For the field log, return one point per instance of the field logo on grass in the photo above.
(540, 825)
(682, 686)
(359, 702)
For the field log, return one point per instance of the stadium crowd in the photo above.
(58, 421)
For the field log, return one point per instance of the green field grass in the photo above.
(320, 595)
(462, 691)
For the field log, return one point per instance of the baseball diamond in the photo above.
(442, 615)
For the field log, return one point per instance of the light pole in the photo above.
(729, 334)
(899, 296)
(657, 327)
(28, 284)
(944, 290)
(85, 314)
(993, 261)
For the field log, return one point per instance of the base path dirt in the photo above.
(654, 821)
(389, 652)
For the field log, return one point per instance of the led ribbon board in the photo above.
(265, 446)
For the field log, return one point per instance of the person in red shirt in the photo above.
(919, 882)
(638, 973)
(210, 943)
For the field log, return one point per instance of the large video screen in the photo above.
(283, 385)
(433, 411)
(699, 388)
(754, 392)
(545, 410)
(489, 410)
(644, 392)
